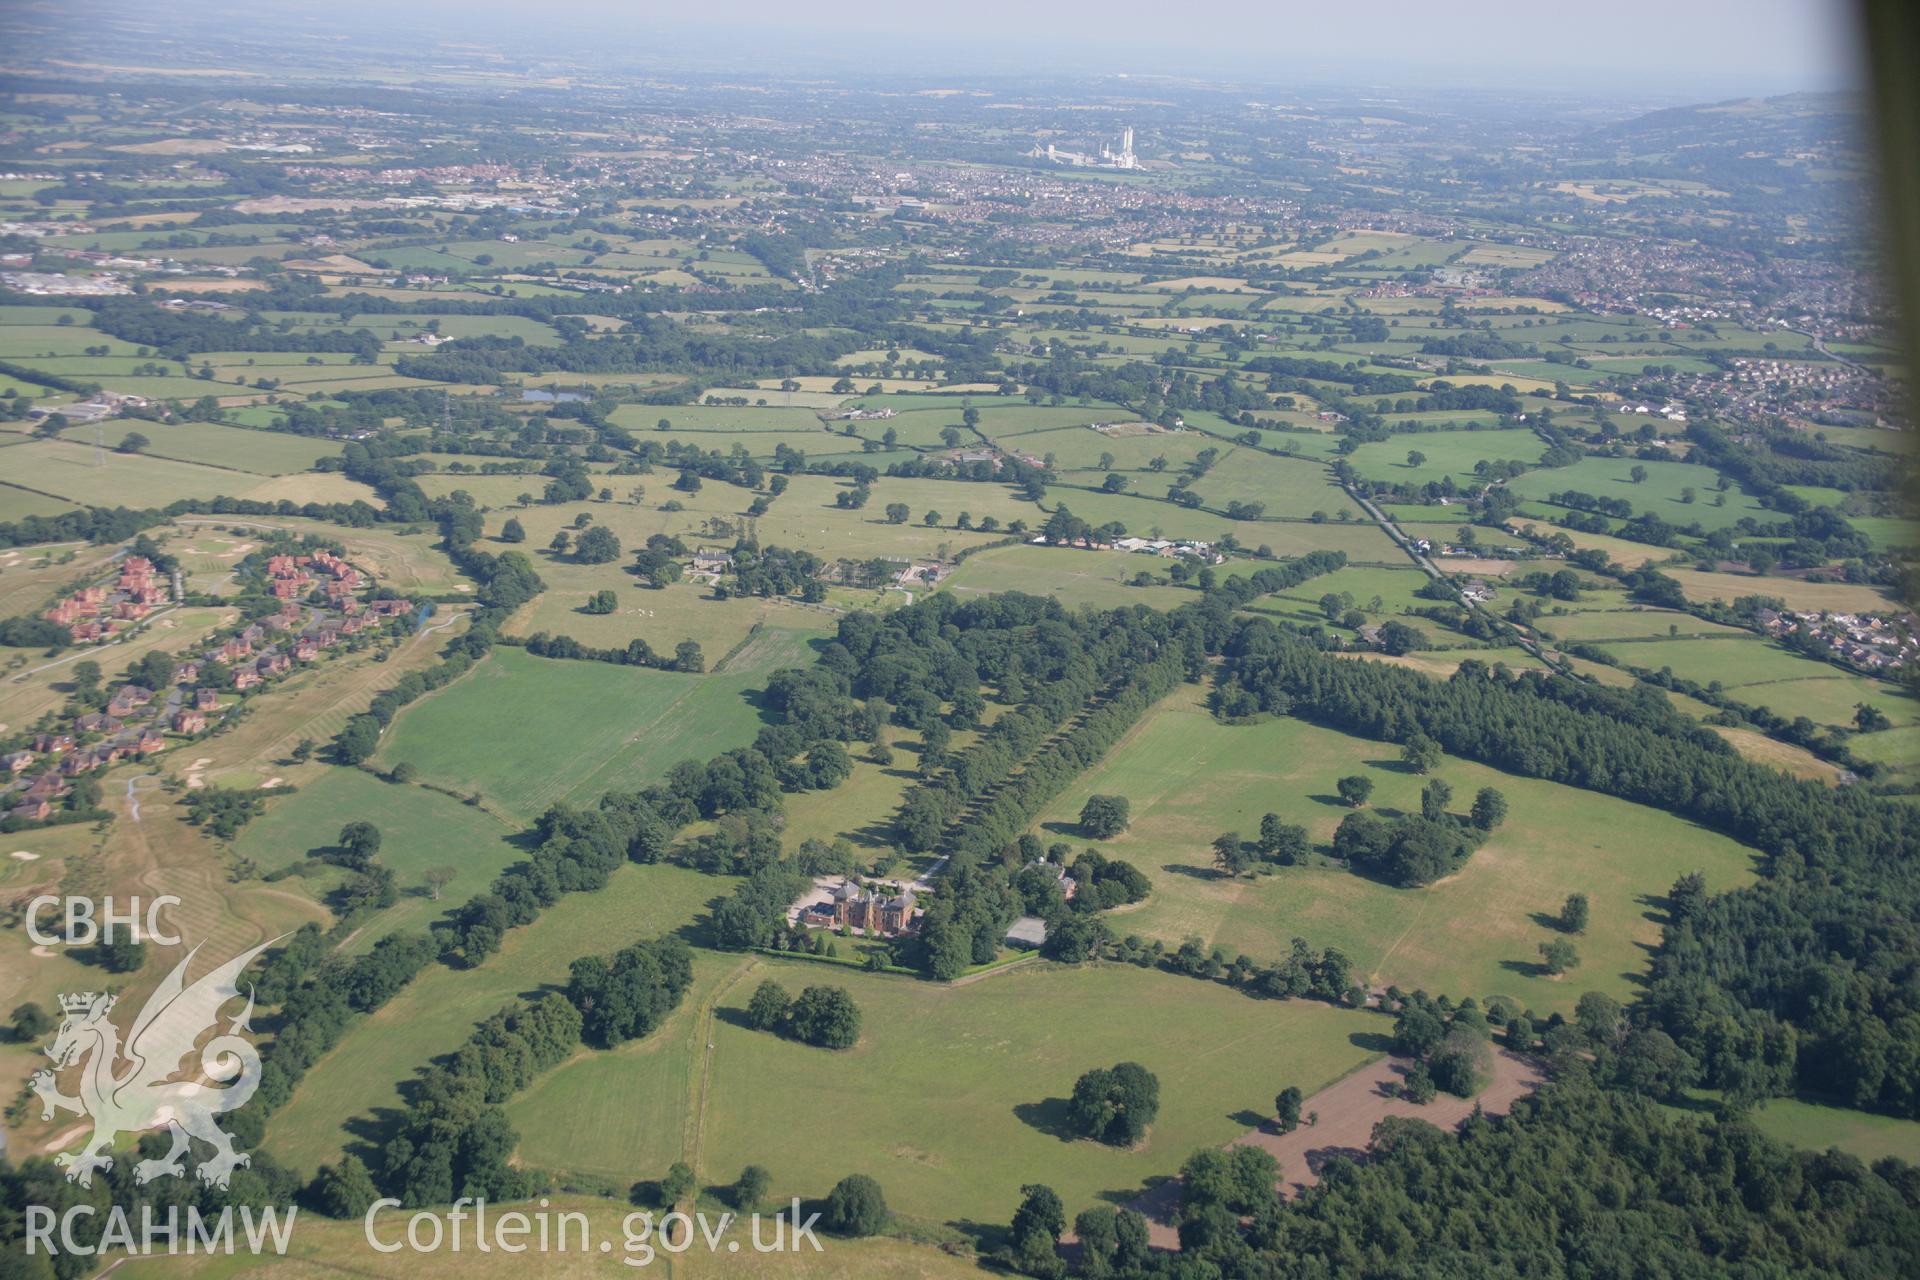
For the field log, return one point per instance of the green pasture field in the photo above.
(804, 517)
(1607, 615)
(1189, 777)
(18, 504)
(1076, 577)
(977, 1076)
(577, 729)
(1660, 493)
(1287, 486)
(663, 618)
(267, 453)
(760, 443)
(643, 419)
(1896, 748)
(1081, 447)
(23, 343)
(1622, 551)
(782, 399)
(1838, 597)
(77, 472)
(1394, 587)
(15, 314)
(1447, 453)
(1359, 537)
(353, 1093)
(624, 1114)
(419, 829)
(1815, 1126)
(1753, 669)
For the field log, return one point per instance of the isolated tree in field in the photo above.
(1415, 458)
(1573, 913)
(86, 676)
(767, 1011)
(561, 541)
(1637, 474)
(1230, 853)
(361, 841)
(1354, 789)
(1398, 638)
(1433, 799)
(897, 513)
(438, 878)
(1283, 842)
(122, 954)
(1421, 753)
(597, 545)
(677, 1185)
(750, 1188)
(1489, 809)
(1114, 1106)
(856, 1207)
(825, 1017)
(1104, 817)
(1558, 956)
(132, 442)
(931, 519)
(30, 1022)
(1870, 719)
(602, 602)
(1286, 1107)
(513, 531)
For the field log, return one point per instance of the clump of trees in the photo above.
(1114, 1105)
(625, 996)
(856, 1207)
(1104, 817)
(826, 1017)
(1450, 1045)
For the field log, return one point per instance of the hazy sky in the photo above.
(1697, 47)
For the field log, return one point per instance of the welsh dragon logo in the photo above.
(143, 1094)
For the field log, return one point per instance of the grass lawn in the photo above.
(354, 1091)
(528, 732)
(1837, 597)
(268, 453)
(1447, 453)
(1815, 1126)
(1621, 551)
(1074, 577)
(419, 829)
(973, 1080)
(1476, 933)
(1661, 492)
(71, 469)
(1753, 669)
